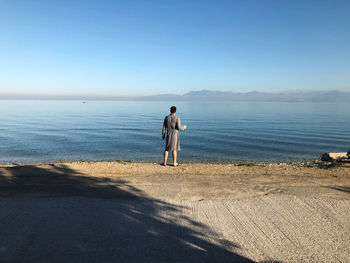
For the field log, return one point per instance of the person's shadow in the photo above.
(55, 214)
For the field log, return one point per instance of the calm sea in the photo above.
(39, 131)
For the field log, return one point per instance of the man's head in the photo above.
(173, 109)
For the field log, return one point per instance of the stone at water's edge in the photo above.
(329, 157)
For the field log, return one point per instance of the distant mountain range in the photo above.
(210, 95)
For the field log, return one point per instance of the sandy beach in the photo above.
(144, 212)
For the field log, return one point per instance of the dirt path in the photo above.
(121, 212)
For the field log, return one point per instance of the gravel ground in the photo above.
(125, 212)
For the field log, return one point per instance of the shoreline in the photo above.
(298, 163)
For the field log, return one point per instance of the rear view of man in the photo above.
(171, 126)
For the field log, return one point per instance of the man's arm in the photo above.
(163, 129)
(178, 124)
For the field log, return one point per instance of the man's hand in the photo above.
(185, 127)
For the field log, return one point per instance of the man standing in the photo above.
(172, 125)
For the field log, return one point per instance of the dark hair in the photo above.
(173, 109)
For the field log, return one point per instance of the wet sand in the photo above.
(139, 212)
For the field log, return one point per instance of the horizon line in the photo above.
(38, 96)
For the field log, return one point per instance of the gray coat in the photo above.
(172, 125)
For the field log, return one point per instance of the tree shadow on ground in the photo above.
(56, 214)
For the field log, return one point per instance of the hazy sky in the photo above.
(146, 47)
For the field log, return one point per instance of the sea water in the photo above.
(40, 131)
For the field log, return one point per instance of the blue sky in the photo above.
(173, 46)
